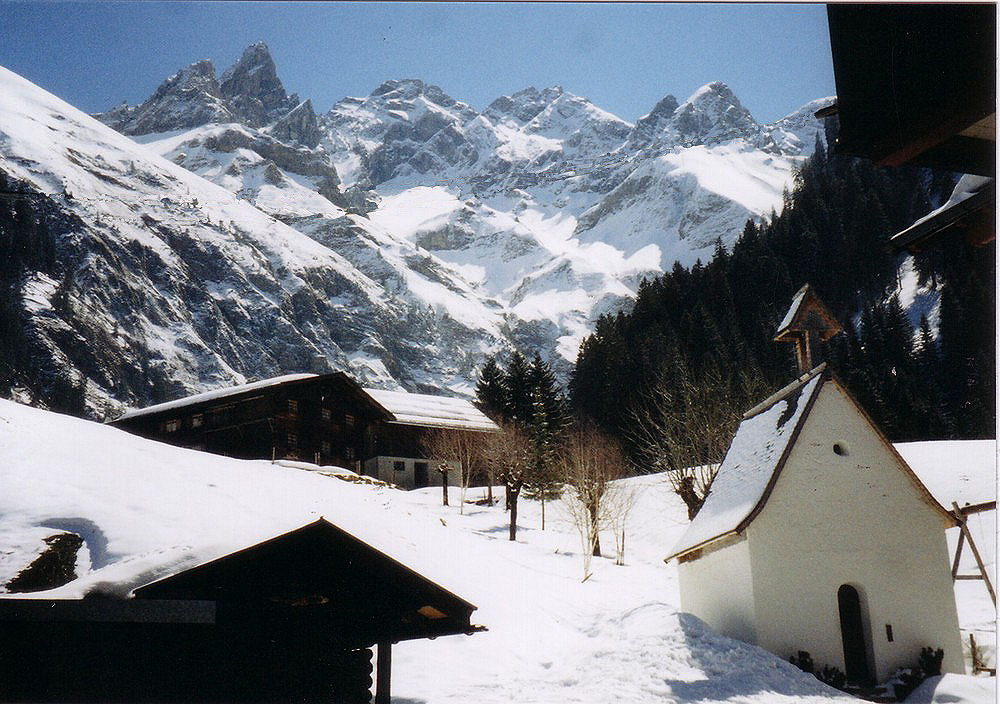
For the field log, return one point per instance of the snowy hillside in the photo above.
(618, 636)
(162, 283)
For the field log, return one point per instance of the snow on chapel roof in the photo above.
(761, 443)
(431, 411)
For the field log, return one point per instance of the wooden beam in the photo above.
(975, 553)
(383, 672)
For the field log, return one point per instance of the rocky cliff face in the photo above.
(422, 233)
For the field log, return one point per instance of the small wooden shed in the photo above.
(293, 618)
(817, 536)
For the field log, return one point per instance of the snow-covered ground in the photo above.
(146, 509)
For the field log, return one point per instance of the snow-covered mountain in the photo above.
(424, 233)
(163, 282)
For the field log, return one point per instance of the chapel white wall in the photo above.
(858, 520)
(717, 589)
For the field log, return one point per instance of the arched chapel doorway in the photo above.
(854, 636)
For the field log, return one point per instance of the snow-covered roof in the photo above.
(147, 510)
(755, 456)
(213, 395)
(431, 411)
(793, 309)
(971, 194)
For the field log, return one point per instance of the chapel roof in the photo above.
(756, 456)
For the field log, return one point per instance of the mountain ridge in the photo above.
(514, 226)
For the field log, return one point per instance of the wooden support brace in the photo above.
(985, 576)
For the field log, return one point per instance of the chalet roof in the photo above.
(213, 395)
(756, 457)
(400, 407)
(973, 195)
(431, 411)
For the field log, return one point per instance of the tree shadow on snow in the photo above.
(733, 668)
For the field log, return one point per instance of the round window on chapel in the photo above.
(840, 449)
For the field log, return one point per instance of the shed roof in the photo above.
(916, 83)
(431, 411)
(322, 572)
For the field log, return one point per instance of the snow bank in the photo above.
(955, 689)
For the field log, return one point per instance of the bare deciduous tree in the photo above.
(620, 498)
(589, 462)
(508, 453)
(464, 446)
(683, 427)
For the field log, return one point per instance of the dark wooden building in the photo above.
(916, 85)
(327, 419)
(292, 619)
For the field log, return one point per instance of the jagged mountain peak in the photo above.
(711, 115)
(409, 89)
(189, 98)
(654, 122)
(523, 105)
(199, 76)
(252, 85)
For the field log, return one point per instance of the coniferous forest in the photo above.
(706, 332)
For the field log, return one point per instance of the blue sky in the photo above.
(624, 57)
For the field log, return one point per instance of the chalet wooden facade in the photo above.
(291, 619)
(327, 419)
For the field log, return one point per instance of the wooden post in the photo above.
(961, 514)
(443, 468)
(383, 667)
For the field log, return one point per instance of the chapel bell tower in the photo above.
(807, 323)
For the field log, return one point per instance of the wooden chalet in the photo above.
(293, 618)
(327, 419)
(916, 84)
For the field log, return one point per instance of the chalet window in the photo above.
(348, 420)
(399, 466)
(293, 406)
(196, 420)
(325, 413)
(325, 447)
(172, 426)
(292, 440)
(349, 453)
